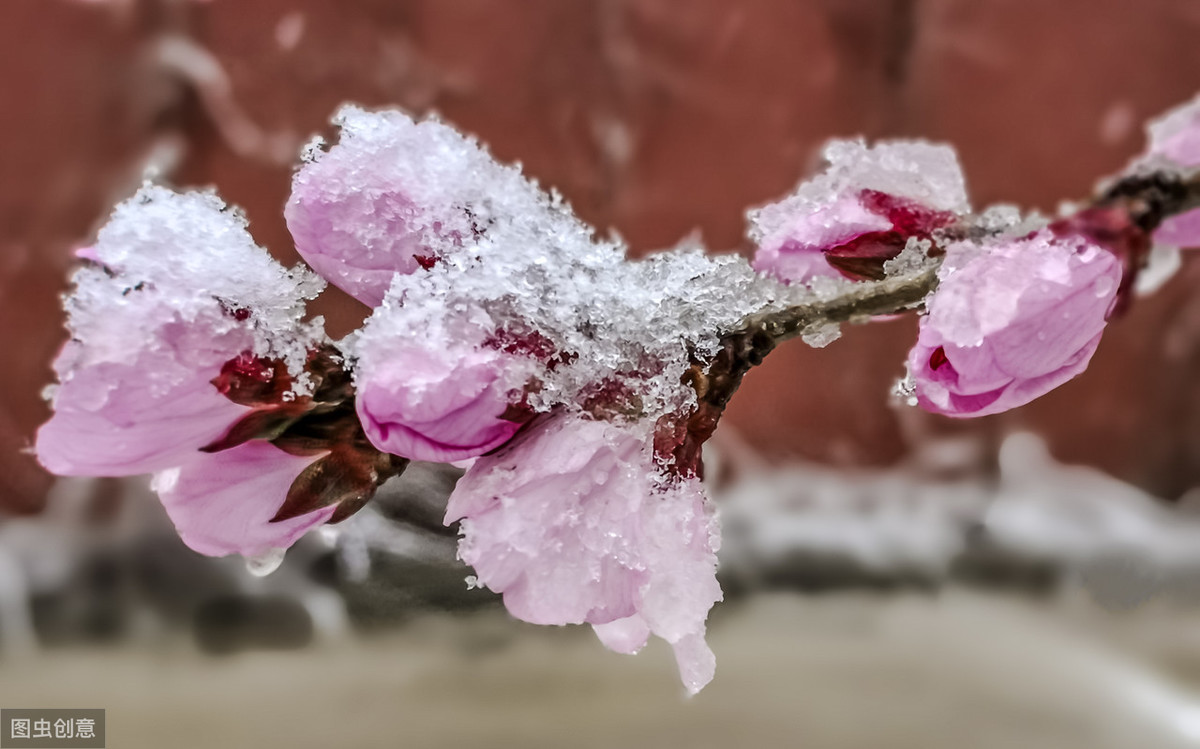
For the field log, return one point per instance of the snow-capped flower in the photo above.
(176, 287)
(1011, 321)
(573, 522)
(175, 291)
(860, 212)
(435, 381)
(393, 196)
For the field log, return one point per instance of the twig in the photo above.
(1121, 217)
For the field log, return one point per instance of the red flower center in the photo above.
(938, 358)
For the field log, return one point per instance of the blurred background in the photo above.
(893, 578)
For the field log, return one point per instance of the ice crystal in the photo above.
(523, 273)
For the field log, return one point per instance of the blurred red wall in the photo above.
(654, 118)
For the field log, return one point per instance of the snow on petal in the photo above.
(389, 196)
(1175, 135)
(1011, 321)
(127, 418)
(176, 288)
(435, 400)
(573, 523)
(867, 202)
(222, 503)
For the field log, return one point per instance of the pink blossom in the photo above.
(1180, 230)
(117, 418)
(441, 402)
(860, 212)
(222, 503)
(393, 196)
(797, 252)
(1175, 138)
(328, 230)
(175, 288)
(574, 523)
(1011, 321)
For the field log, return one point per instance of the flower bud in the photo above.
(437, 400)
(1011, 321)
(860, 213)
(392, 197)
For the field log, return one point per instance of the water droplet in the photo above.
(329, 535)
(261, 565)
(1103, 286)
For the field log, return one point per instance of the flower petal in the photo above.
(1011, 321)
(222, 503)
(117, 419)
(573, 523)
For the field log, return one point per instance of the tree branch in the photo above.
(1122, 216)
(864, 300)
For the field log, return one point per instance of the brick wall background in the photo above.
(654, 117)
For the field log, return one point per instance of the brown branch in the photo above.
(1121, 216)
(862, 301)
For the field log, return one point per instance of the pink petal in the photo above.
(1182, 230)
(123, 419)
(433, 402)
(696, 661)
(1011, 321)
(327, 227)
(628, 635)
(573, 523)
(222, 503)
(795, 251)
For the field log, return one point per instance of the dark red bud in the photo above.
(938, 358)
